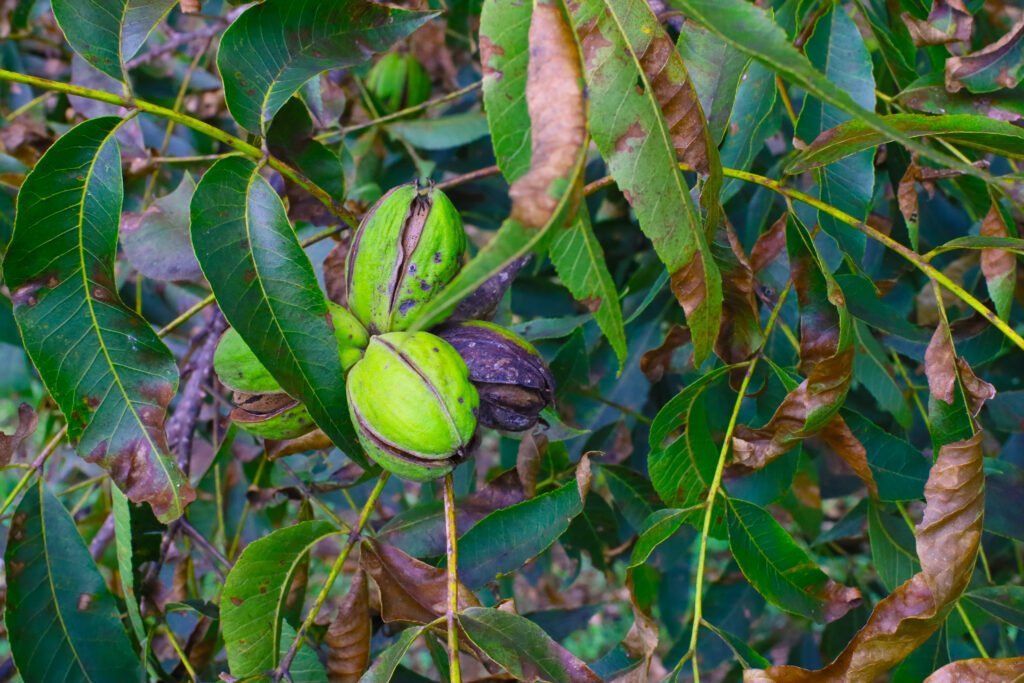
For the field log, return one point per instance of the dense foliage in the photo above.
(755, 359)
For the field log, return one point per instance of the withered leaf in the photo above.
(769, 245)
(740, 334)
(348, 636)
(948, 538)
(408, 590)
(991, 68)
(998, 265)
(334, 271)
(948, 22)
(640, 642)
(558, 124)
(1009, 670)
(944, 369)
(826, 359)
(27, 422)
(315, 440)
(656, 362)
(846, 445)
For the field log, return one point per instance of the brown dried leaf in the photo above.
(740, 334)
(826, 385)
(640, 643)
(769, 245)
(948, 22)
(27, 422)
(656, 362)
(558, 124)
(348, 636)
(944, 368)
(996, 263)
(906, 193)
(408, 590)
(948, 538)
(846, 445)
(1010, 670)
(334, 271)
(315, 440)
(528, 461)
(972, 66)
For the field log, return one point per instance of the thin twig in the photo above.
(252, 151)
(282, 670)
(206, 547)
(332, 136)
(35, 467)
(468, 177)
(452, 545)
(177, 41)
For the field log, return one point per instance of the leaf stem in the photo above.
(451, 538)
(913, 257)
(195, 124)
(716, 485)
(282, 670)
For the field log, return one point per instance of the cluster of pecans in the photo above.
(416, 398)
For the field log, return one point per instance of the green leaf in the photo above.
(291, 137)
(756, 116)
(837, 48)
(637, 83)
(716, 69)
(892, 547)
(750, 29)
(745, 655)
(929, 94)
(504, 56)
(522, 648)
(1014, 244)
(101, 362)
(508, 538)
(125, 568)
(660, 526)
(62, 622)
(899, 469)
(445, 132)
(108, 33)
(306, 667)
(255, 593)
(682, 472)
(780, 570)
(388, 661)
(580, 262)
(634, 496)
(267, 289)
(1005, 603)
(967, 130)
(270, 51)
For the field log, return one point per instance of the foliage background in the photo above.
(840, 244)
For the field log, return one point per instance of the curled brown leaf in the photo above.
(408, 590)
(769, 245)
(740, 333)
(656, 362)
(348, 636)
(949, 21)
(554, 98)
(948, 538)
(847, 446)
(944, 368)
(1009, 670)
(968, 67)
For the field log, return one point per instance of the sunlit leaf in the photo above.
(504, 57)
(1008, 670)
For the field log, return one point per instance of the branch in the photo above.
(195, 124)
(913, 257)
